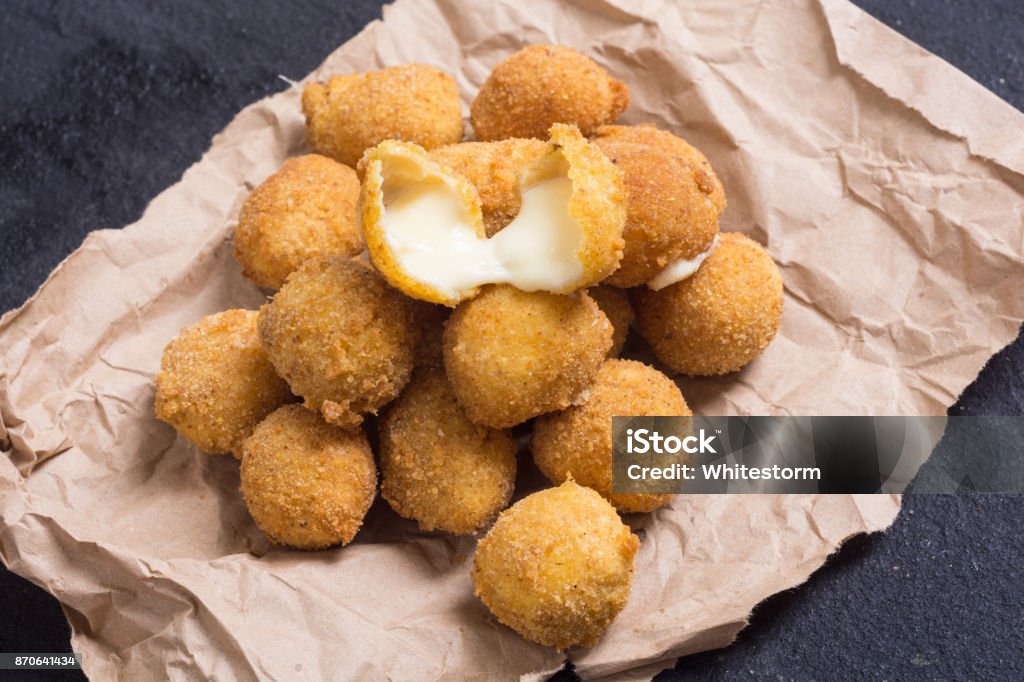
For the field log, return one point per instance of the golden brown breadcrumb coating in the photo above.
(428, 321)
(719, 319)
(615, 305)
(576, 443)
(216, 382)
(341, 338)
(667, 143)
(494, 169)
(557, 566)
(668, 215)
(413, 102)
(437, 467)
(542, 85)
(306, 209)
(307, 484)
(512, 355)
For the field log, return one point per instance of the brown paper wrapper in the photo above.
(886, 184)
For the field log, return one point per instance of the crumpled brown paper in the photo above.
(887, 185)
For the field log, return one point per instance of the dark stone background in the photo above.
(104, 104)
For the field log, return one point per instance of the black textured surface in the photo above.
(104, 104)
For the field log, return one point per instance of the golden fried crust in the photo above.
(216, 382)
(557, 566)
(668, 215)
(512, 355)
(438, 468)
(542, 85)
(428, 323)
(576, 443)
(494, 169)
(667, 143)
(306, 209)
(341, 338)
(307, 484)
(413, 103)
(615, 305)
(719, 319)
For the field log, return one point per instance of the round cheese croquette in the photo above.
(494, 168)
(306, 483)
(437, 467)
(542, 85)
(576, 443)
(306, 209)
(351, 113)
(216, 382)
(664, 142)
(615, 305)
(722, 317)
(512, 355)
(557, 566)
(341, 338)
(669, 217)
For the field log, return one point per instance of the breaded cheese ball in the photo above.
(557, 566)
(542, 85)
(666, 143)
(719, 319)
(307, 484)
(306, 209)
(615, 305)
(216, 382)
(576, 443)
(413, 103)
(512, 355)
(669, 214)
(494, 169)
(438, 468)
(341, 338)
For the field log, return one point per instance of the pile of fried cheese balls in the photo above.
(463, 294)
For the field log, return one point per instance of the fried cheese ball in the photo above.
(666, 143)
(438, 468)
(576, 443)
(216, 382)
(719, 319)
(615, 305)
(542, 85)
(306, 209)
(341, 338)
(307, 484)
(512, 355)
(669, 213)
(413, 103)
(557, 566)
(494, 169)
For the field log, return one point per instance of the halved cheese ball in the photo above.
(425, 232)
(493, 168)
(557, 566)
(512, 355)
